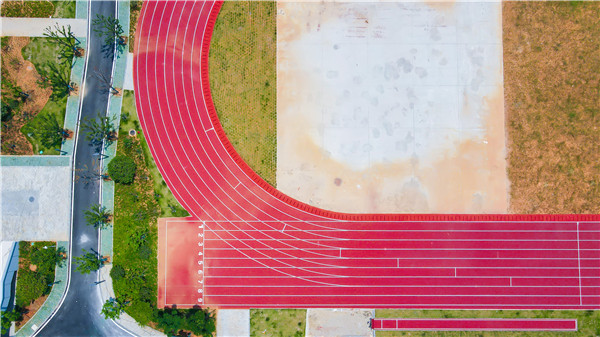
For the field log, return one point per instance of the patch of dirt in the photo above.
(552, 100)
(25, 76)
(30, 311)
(32, 267)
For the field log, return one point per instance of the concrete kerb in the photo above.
(82, 10)
(60, 276)
(108, 187)
(74, 102)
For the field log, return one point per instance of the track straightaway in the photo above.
(248, 245)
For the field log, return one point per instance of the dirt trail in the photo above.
(24, 75)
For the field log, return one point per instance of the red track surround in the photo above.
(252, 246)
(485, 324)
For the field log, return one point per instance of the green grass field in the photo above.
(588, 322)
(277, 322)
(167, 202)
(243, 80)
(41, 51)
(135, 235)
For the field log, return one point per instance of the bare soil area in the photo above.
(370, 120)
(30, 311)
(552, 100)
(22, 73)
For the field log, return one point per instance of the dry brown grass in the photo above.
(243, 81)
(552, 100)
(135, 7)
(23, 74)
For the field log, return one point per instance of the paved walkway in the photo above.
(36, 26)
(128, 83)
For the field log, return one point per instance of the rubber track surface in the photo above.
(248, 245)
(486, 324)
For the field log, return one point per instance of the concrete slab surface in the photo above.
(391, 107)
(233, 323)
(35, 201)
(36, 26)
(338, 322)
(128, 82)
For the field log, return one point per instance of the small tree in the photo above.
(88, 262)
(98, 216)
(8, 317)
(99, 130)
(170, 321)
(89, 175)
(50, 132)
(200, 322)
(113, 308)
(56, 77)
(117, 273)
(46, 259)
(105, 83)
(110, 29)
(122, 169)
(69, 44)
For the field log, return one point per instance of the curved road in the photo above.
(79, 314)
(261, 248)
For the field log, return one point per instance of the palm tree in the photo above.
(98, 216)
(111, 30)
(99, 129)
(89, 262)
(63, 37)
(112, 308)
(58, 78)
(50, 132)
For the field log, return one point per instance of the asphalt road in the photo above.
(79, 314)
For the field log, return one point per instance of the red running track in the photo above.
(484, 324)
(256, 247)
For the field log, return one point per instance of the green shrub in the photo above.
(142, 312)
(117, 272)
(200, 322)
(30, 286)
(31, 9)
(122, 169)
(144, 252)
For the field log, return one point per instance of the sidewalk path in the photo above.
(36, 26)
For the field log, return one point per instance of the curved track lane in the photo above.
(256, 247)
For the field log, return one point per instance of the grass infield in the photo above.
(243, 79)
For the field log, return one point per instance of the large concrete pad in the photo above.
(339, 322)
(35, 200)
(391, 107)
(233, 323)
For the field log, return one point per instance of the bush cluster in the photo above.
(122, 169)
(33, 284)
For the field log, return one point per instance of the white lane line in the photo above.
(579, 265)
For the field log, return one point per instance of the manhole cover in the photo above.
(132, 133)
